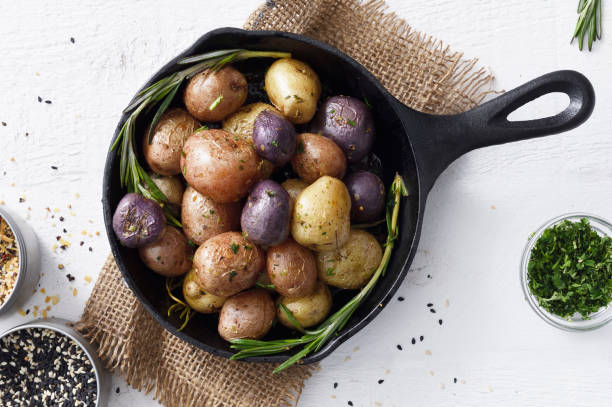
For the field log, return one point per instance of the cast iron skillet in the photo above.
(417, 145)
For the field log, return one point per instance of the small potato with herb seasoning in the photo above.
(227, 264)
(309, 310)
(163, 154)
(352, 265)
(249, 314)
(317, 156)
(169, 255)
(321, 215)
(265, 217)
(241, 123)
(203, 218)
(212, 96)
(198, 299)
(294, 187)
(171, 186)
(220, 165)
(292, 269)
(293, 88)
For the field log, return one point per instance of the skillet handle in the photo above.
(449, 137)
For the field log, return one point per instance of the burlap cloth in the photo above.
(415, 68)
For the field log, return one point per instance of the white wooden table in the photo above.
(479, 213)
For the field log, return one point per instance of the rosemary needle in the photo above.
(589, 22)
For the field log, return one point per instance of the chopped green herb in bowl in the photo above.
(567, 271)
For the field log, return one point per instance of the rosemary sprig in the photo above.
(589, 22)
(133, 177)
(313, 340)
(182, 308)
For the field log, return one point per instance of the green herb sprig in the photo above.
(181, 307)
(570, 269)
(133, 176)
(589, 22)
(313, 340)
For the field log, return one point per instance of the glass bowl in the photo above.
(575, 323)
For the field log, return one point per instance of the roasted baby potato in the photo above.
(171, 186)
(294, 187)
(265, 218)
(317, 156)
(249, 314)
(349, 123)
(321, 216)
(352, 265)
(293, 88)
(199, 300)
(227, 264)
(164, 153)
(204, 218)
(169, 255)
(220, 165)
(242, 122)
(309, 310)
(292, 269)
(367, 193)
(212, 96)
(138, 221)
(274, 138)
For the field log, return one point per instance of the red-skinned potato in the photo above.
(212, 96)
(203, 218)
(220, 165)
(249, 314)
(163, 154)
(169, 255)
(227, 264)
(292, 269)
(317, 156)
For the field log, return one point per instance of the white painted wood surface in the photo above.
(478, 218)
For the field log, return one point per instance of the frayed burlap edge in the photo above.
(417, 69)
(153, 360)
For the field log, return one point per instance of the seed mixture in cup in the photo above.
(9, 261)
(42, 367)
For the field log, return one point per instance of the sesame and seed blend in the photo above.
(9, 261)
(41, 367)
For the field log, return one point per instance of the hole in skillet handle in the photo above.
(443, 139)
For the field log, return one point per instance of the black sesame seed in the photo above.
(72, 41)
(53, 167)
(39, 99)
(48, 102)
(64, 230)
(440, 321)
(400, 298)
(335, 385)
(82, 243)
(399, 347)
(117, 390)
(39, 367)
(61, 218)
(350, 403)
(70, 277)
(429, 304)
(433, 311)
(4, 124)
(58, 238)
(90, 249)
(380, 381)
(413, 341)
(27, 311)
(428, 275)
(455, 380)
(421, 338)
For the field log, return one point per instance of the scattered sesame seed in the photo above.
(421, 338)
(350, 403)
(413, 341)
(4, 124)
(117, 390)
(39, 99)
(455, 380)
(433, 311)
(400, 299)
(48, 102)
(399, 347)
(88, 278)
(54, 167)
(335, 385)
(70, 277)
(72, 40)
(440, 321)
(60, 266)
(380, 381)
(429, 305)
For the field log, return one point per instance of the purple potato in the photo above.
(367, 193)
(349, 123)
(265, 216)
(274, 137)
(138, 221)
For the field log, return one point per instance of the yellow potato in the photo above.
(321, 216)
(294, 187)
(241, 123)
(293, 88)
(309, 310)
(199, 300)
(352, 265)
